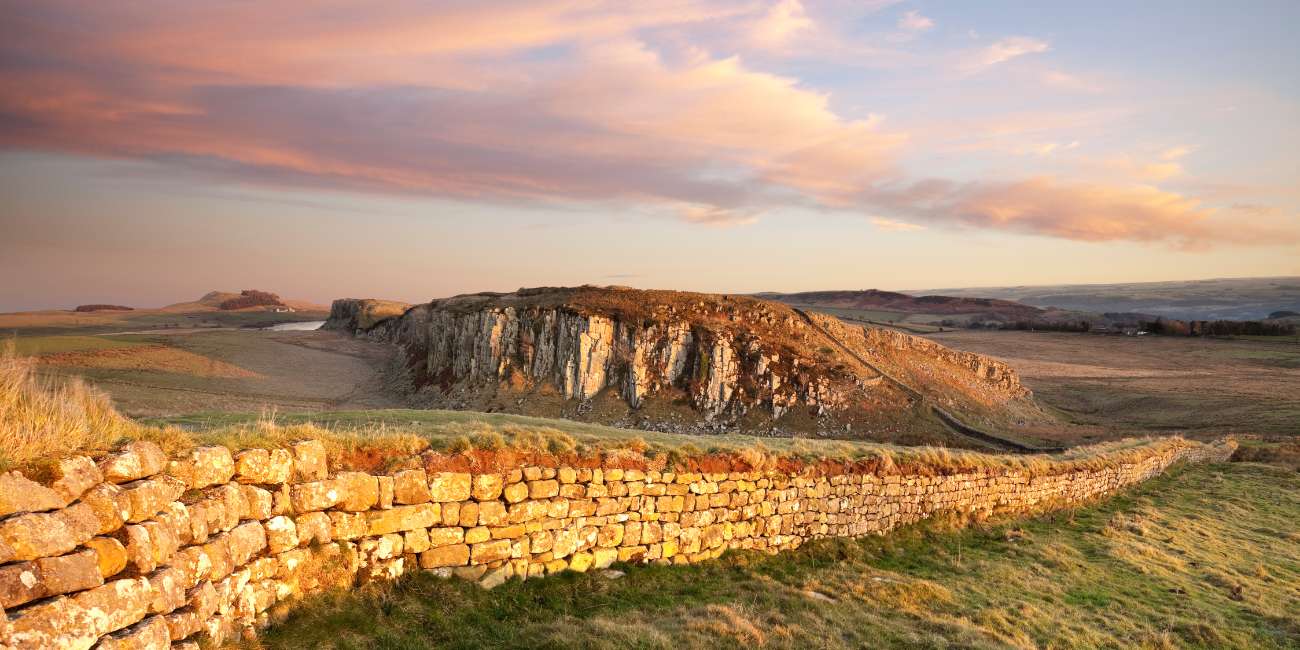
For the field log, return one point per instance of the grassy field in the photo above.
(1202, 557)
(1121, 385)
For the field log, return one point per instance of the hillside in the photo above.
(677, 361)
(890, 301)
(1226, 298)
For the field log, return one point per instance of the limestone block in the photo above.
(358, 491)
(19, 494)
(492, 513)
(515, 492)
(313, 527)
(416, 541)
(445, 556)
(449, 486)
(402, 518)
(168, 586)
(257, 502)
(246, 541)
(264, 466)
(38, 534)
(495, 577)
(136, 460)
(203, 466)
(348, 525)
(411, 487)
(149, 634)
(309, 461)
(281, 534)
(73, 476)
(147, 497)
(110, 555)
(487, 487)
(386, 490)
(492, 551)
(313, 496)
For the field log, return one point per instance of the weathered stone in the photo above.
(139, 548)
(109, 505)
(149, 634)
(203, 466)
(386, 489)
(246, 540)
(487, 487)
(281, 534)
(73, 476)
(309, 461)
(492, 513)
(449, 486)
(163, 540)
(402, 518)
(20, 583)
(485, 552)
(110, 555)
(38, 534)
(416, 541)
(19, 494)
(411, 487)
(543, 489)
(57, 623)
(477, 534)
(496, 577)
(136, 460)
(358, 491)
(580, 562)
(257, 502)
(168, 585)
(516, 492)
(454, 555)
(317, 495)
(68, 573)
(444, 536)
(264, 466)
(148, 497)
(313, 528)
(348, 525)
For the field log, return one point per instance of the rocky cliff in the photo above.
(664, 360)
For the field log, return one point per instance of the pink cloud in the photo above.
(454, 101)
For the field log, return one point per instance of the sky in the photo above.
(152, 151)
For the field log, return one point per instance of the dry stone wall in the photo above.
(141, 551)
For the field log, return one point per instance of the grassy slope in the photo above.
(1202, 557)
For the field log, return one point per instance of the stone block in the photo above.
(310, 463)
(148, 497)
(110, 555)
(487, 487)
(449, 486)
(203, 466)
(20, 494)
(492, 551)
(515, 492)
(36, 535)
(402, 518)
(314, 496)
(411, 487)
(313, 528)
(281, 534)
(445, 556)
(134, 461)
(358, 491)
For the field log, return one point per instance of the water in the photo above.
(300, 326)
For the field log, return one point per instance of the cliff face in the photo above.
(653, 358)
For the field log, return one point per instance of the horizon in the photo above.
(408, 151)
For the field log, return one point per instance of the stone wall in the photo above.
(141, 551)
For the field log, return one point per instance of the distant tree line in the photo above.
(85, 308)
(251, 298)
(1172, 327)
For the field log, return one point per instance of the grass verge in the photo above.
(1202, 557)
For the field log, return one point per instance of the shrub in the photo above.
(251, 298)
(98, 307)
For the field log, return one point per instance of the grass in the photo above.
(38, 345)
(1203, 557)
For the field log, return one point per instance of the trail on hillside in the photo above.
(948, 419)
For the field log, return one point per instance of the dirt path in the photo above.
(950, 421)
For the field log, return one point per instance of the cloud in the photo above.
(567, 102)
(913, 21)
(1004, 50)
(895, 226)
(1079, 211)
(782, 22)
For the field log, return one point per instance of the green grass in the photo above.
(1202, 557)
(37, 345)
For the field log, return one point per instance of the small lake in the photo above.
(300, 326)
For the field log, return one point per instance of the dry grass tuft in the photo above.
(44, 419)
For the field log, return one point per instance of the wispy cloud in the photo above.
(1004, 50)
(893, 225)
(782, 22)
(913, 21)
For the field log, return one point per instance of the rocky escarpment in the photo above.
(657, 359)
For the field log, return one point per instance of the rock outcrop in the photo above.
(654, 359)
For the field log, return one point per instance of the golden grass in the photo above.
(42, 419)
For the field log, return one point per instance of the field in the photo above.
(185, 371)
(1121, 385)
(1202, 557)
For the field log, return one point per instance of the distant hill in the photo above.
(213, 301)
(1225, 298)
(890, 301)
